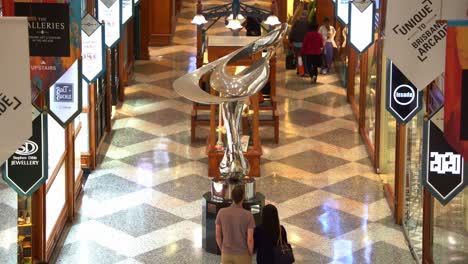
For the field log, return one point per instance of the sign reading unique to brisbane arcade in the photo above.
(415, 39)
(404, 100)
(444, 169)
(26, 169)
(49, 26)
(92, 48)
(110, 11)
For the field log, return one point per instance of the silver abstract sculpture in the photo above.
(233, 91)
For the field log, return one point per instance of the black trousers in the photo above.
(313, 62)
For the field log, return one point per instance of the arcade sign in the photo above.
(92, 48)
(361, 24)
(127, 10)
(26, 170)
(64, 97)
(444, 169)
(110, 11)
(342, 11)
(404, 100)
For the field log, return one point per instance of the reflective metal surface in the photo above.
(221, 188)
(233, 91)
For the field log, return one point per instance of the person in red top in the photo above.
(312, 50)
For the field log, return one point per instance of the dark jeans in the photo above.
(313, 62)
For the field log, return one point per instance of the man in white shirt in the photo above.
(328, 33)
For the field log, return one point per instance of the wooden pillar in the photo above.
(161, 22)
(400, 156)
(200, 52)
(427, 239)
(352, 58)
(70, 171)
(39, 226)
(108, 91)
(144, 29)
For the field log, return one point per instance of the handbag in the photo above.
(282, 252)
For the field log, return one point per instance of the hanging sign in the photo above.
(404, 100)
(26, 170)
(64, 97)
(444, 169)
(110, 11)
(454, 9)
(361, 24)
(342, 11)
(127, 10)
(138, 1)
(15, 91)
(92, 48)
(456, 87)
(55, 41)
(414, 40)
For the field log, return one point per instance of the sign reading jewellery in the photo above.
(361, 24)
(342, 11)
(64, 97)
(15, 92)
(110, 11)
(92, 48)
(444, 169)
(404, 100)
(26, 169)
(415, 40)
(127, 10)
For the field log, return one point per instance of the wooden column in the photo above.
(144, 29)
(199, 38)
(161, 22)
(400, 156)
(108, 91)
(352, 58)
(427, 239)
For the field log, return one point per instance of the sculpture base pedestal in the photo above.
(210, 211)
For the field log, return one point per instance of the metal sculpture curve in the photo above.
(233, 91)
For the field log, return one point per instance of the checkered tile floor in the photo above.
(143, 203)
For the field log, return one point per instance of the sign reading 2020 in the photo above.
(110, 11)
(444, 169)
(404, 100)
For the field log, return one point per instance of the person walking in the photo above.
(266, 235)
(328, 34)
(296, 36)
(234, 231)
(312, 51)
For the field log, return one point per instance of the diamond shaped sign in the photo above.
(15, 86)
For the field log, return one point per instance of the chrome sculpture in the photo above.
(233, 91)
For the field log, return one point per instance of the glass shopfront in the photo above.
(413, 194)
(357, 85)
(371, 91)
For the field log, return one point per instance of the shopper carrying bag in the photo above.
(271, 240)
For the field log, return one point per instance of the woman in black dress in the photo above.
(266, 235)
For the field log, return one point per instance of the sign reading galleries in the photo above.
(26, 170)
(110, 11)
(415, 40)
(444, 169)
(92, 48)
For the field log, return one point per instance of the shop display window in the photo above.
(357, 83)
(371, 93)
(56, 144)
(55, 200)
(413, 201)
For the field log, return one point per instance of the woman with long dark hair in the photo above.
(266, 235)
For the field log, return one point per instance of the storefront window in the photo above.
(413, 204)
(357, 83)
(55, 200)
(450, 231)
(371, 93)
(56, 143)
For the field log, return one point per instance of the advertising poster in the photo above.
(404, 100)
(444, 169)
(26, 169)
(92, 48)
(15, 91)
(110, 11)
(127, 10)
(415, 40)
(456, 87)
(64, 97)
(361, 24)
(49, 32)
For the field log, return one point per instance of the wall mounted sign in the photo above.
(127, 10)
(50, 31)
(92, 48)
(64, 97)
(110, 11)
(444, 169)
(15, 91)
(414, 40)
(26, 169)
(456, 87)
(342, 11)
(404, 100)
(361, 24)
